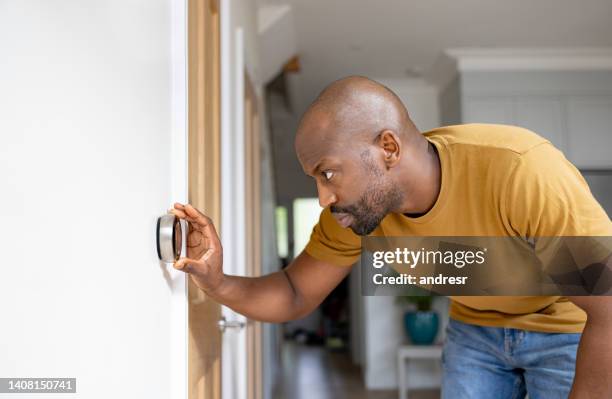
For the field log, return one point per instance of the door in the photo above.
(232, 181)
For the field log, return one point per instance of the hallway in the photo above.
(312, 372)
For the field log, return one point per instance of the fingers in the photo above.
(179, 211)
(205, 222)
(181, 215)
(187, 211)
(192, 215)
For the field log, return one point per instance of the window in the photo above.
(306, 212)
(282, 232)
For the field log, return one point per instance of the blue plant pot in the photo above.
(422, 327)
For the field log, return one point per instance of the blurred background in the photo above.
(542, 65)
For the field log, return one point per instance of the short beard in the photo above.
(377, 201)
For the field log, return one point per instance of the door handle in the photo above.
(169, 238)
(224, 324)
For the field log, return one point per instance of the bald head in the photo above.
(366, 156)
(355, 108)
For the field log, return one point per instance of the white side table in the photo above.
(412, 352)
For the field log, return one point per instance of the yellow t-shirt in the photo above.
(497, 180)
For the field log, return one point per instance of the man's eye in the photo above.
(328, 175)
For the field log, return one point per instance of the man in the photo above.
(376, 174)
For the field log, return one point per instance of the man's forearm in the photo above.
(593, 379)
(271, 298)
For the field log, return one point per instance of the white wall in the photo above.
(85, 165)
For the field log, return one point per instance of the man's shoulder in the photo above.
(482, 136)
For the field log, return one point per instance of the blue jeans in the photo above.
(506, 363)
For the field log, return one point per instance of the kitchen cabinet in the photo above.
(563, 95)
(589, 123)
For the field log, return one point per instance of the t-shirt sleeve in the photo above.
(333, 243)
(546, 196)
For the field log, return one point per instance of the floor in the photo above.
(312, 372)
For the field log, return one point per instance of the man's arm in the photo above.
(285, 295)
(593, 378)
(277, 297)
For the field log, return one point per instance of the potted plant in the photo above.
(420, 321)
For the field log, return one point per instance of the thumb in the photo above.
(186, 264)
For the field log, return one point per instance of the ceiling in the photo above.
(395, 38)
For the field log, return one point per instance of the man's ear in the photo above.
(390, 145)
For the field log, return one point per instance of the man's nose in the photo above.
(326, 196)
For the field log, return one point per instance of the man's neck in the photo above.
(427, 181)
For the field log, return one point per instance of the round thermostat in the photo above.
(169, 238)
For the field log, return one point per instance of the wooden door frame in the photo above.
(204, 182)
(203, 83)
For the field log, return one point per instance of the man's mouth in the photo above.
(343, 219)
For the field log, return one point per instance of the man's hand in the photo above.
(204, 261)
(593, 378)
(277, 297)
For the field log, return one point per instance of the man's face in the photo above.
(351, 182)
(376, 200)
